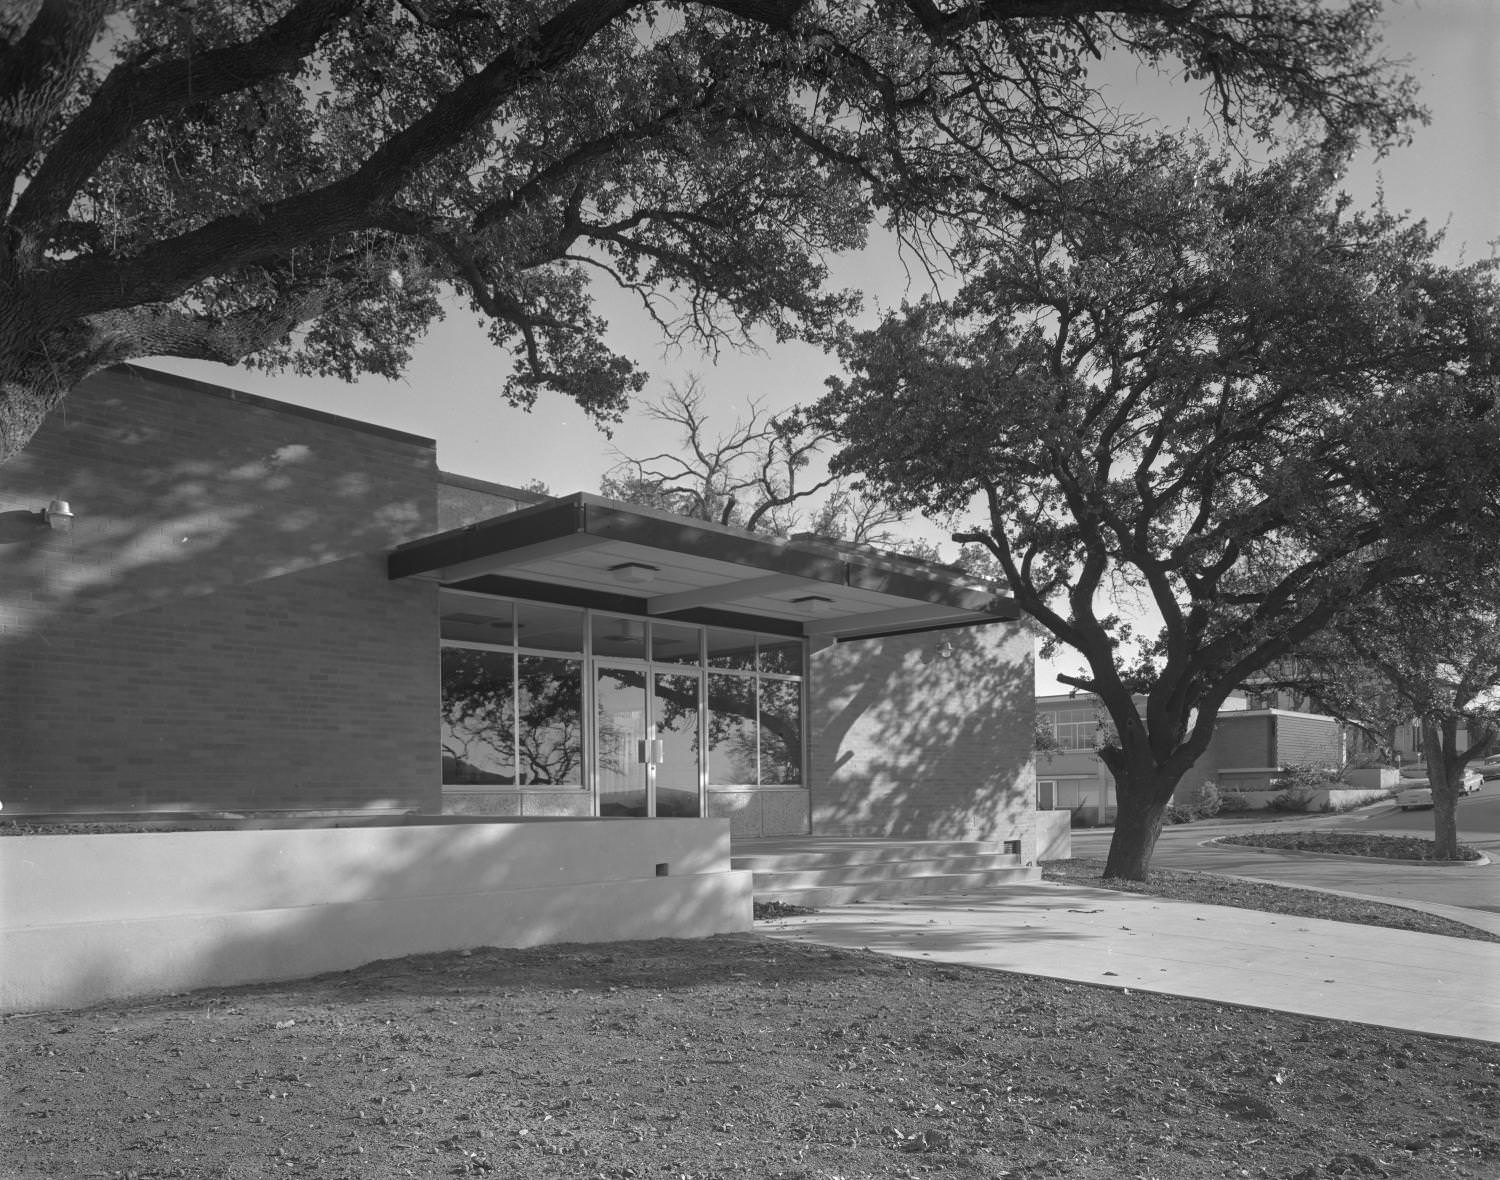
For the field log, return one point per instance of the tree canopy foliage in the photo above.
(301, 182)
(1199, 410)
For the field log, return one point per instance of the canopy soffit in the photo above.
(585, 550)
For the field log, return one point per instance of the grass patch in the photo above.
(1352, 844)
(1211, 889)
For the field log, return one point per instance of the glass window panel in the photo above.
(731, 730)
(1078, 735)
(549, 628)
(677, 731)
(671, 644)
(477, 619)
(1074, 729)
(780, 733)
(618, 637)
(550, 700)
(731, 649)
(620, 726)
(478, 723)
(778, 654)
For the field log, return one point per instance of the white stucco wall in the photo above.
(87, 918)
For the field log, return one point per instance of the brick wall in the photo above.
(463, 500)
(1261, 741)
(1242, 740)
(1307, 741)
(217, 631)
(908, 745)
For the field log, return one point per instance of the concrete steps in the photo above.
(823, 871)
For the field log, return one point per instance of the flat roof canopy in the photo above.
(583, 550)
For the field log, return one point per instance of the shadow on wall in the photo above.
(925, 736)
(181, 489)
(331, 903)
(217, 629)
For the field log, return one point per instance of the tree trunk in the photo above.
(1445, 774)
(1141, 808)
(1445, 821)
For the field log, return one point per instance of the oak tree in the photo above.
(1197, 410)
(301, 183)
(1423, 652)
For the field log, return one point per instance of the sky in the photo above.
(1449, 175)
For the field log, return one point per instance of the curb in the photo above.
(1452, 913)
(1220, 842)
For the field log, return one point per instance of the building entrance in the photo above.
(552, 710)
(648, 756)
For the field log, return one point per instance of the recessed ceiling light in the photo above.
(634, 573)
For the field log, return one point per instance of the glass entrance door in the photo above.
(647, 749)
(621, 752)
(677, 773)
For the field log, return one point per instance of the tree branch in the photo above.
(133, 95)
(163, 270)
(165, 331)
(37, 73)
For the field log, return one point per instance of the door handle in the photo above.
(651, 750)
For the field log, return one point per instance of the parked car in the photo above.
(1415, 792)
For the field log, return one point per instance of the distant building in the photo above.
(1253, 742)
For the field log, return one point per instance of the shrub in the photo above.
(1301, 777)
(1298, 784)
(1232, 803)
(1207, 802)
(1294, 799)
(1177, 814)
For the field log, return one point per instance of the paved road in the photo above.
(1478, 817)
(1467, 893)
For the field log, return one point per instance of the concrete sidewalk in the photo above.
(1368, 974)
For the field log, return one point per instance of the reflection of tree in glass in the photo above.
(551, 712)
(616, 733)
(732, 725)
(733, 721)
(780, 732)
(477, 717)
(678, 697)
(677, 726)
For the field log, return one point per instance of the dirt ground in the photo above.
(733, 1057)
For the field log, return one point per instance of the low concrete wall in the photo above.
(762, 812)
(1336, 799)
(1373, 778)
(1054, 835)
(1340, 800)
(88, 918)
(511, 804)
